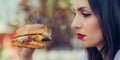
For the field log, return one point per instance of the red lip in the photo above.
(80, 36)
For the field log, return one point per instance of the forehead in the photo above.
(79, 3)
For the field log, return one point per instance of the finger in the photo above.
(19, 48)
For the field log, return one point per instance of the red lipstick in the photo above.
(80, 36)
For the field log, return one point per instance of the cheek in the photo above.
(93, 34)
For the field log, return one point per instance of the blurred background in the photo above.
(55, 14)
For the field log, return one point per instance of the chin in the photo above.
(87, 45)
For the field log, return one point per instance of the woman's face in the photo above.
(86, 24)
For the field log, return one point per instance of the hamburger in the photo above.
(32, 36)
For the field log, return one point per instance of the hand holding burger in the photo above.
(30, 37)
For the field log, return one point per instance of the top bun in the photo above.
(31, 29)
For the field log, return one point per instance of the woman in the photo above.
(97, 26)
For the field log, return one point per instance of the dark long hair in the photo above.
(108, 14)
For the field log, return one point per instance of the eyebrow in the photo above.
(81, 8)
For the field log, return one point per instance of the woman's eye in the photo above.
(86, 14)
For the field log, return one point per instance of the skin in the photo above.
(25, 53)
(85, 22)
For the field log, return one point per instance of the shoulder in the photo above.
(84, 56)
(117, 56)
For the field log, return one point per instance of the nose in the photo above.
(76, 24)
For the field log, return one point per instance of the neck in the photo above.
(99, 47)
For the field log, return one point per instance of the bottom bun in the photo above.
(29, 44)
